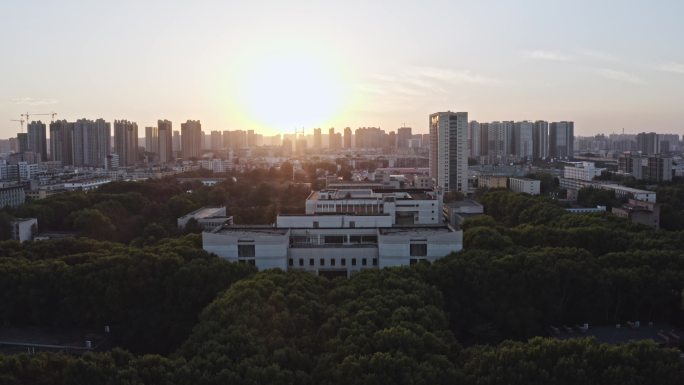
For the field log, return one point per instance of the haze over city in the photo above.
(275, 66)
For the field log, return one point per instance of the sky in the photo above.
(276, 66)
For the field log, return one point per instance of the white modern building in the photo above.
(208, 218)
(582, 171)
(340, 246)
(404, 207)
(24, 228)
(449, 150)
(343, 232)
(525, 185)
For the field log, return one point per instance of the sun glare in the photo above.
(281, 93)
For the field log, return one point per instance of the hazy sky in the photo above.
(277, 65)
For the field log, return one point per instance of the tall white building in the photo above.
(449, 150)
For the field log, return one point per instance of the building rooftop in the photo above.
(410, 231)
(205, 212)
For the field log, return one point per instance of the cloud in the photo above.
(547, 55)
(597, 55)
(676, 68)
(620, 76)
(33, 102)
(456, 77)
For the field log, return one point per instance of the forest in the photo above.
(179, 315)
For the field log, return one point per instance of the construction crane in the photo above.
(27, 115)
(21, 121)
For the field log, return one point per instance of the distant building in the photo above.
(540, 140)
(37, 139)
(561, 140)
(61, 142)
(525, 185)
(91, 143)
(126, 142)
(317, 140)
(645, 213)
(347, 138)
(523, 140)
(191, 138)
(12, 196)
(207, 217)
(492, 181)
(449, 150)
(582, 171)
(456, 212)
(656, 168)
(403, 136)
(165, 141)
(23, 229)
(152, 139)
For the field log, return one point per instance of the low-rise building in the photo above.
(332, 245)
(207, 217)
(645, 213)
(525, 185)
(456, 212)
(582, 170)
(492, 181)
(12, 195)
(24, 228)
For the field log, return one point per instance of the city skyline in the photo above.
(221, 65)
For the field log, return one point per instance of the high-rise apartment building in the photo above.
(61, 146)
(562, 139)
(473, 139)
(22, 139)
(648, 143)
(347, 137)
(191, 139)
(523, 138)
(216, 140)
(126, 142)
(165, 136)
(177, 142)
(317, 139)
(91, 143)
(498, 138)
(404, 134)
(334, 139)
(37, 139)
(152, 139)
(449, 150)
(540, 140)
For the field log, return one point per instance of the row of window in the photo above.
(333, 262)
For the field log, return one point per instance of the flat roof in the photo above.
(414, 230)
(464, 203)
(251, 231)
(203, 212)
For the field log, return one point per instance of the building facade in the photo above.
(448, 160)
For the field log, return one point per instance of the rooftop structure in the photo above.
(207, 217)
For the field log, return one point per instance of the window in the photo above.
(352, 224)
(301, 261)
(343, 261)
(332, 262)
(246, 251)
(375, 261)
(290, 262)
(353, 261)
(418, 250)
(322, 262)
(335, 239)
(311, 261)
(363, 261)
(315, 224)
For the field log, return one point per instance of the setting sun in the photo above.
(279, 93)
